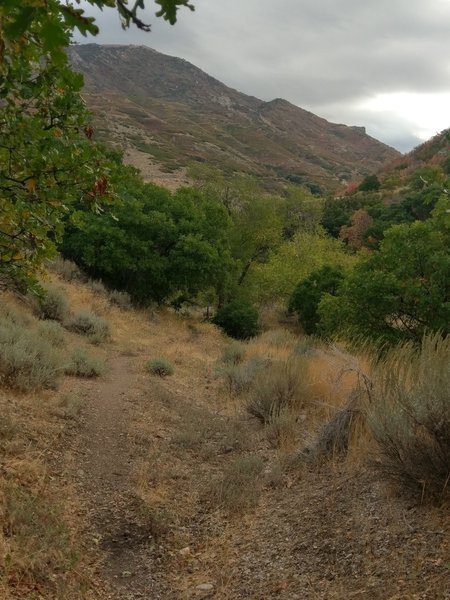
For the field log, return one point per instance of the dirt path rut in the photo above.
(115, 520)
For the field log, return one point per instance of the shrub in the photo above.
(240, 377)
(27, 360)
(238, 320)
(66, 269)
(98, 287)
(90, 325)
(409, 416)
(53, 332)
(233, 354)
(159, 366)
(306, 346)
(121, 299)
(53, 304)
(83, 364)
(281, 387)
(240, 487)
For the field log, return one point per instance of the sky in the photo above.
(382, 64)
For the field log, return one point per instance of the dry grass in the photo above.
(409, 415)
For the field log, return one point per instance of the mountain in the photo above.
(165, 113)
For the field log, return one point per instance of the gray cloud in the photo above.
(328, 56)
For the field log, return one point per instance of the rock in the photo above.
(185, 551)
(205, 587)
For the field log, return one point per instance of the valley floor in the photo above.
(143, 468)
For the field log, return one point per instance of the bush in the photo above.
(409, 416)
(66, 269)
(121, 299)
(90, 325)
(159, 366)
(282, 387)
(98, 287)
(53, 332)
(240, 377)
(238, 320)
(27, 360)
(83, 364)
(53, 304)
(233, 354)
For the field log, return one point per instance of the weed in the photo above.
(90, 325)
(159, 366)
(83, 364)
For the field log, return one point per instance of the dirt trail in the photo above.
(106, 455)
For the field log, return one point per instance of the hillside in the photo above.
(165, 112)
(127, 485)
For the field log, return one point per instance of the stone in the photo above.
(205, 587)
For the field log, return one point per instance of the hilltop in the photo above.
(165, 113)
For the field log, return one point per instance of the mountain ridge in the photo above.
(166, 108)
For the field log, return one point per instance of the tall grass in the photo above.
(281, 387)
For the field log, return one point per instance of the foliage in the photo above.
(159, 366)
(47, 161)
(293, 261)
(409, 416)
(90, 325)
(370, 183)
(46, 157)
(238, 319)
(400, 291)
(354, 234)
(155, 244)
(308, 294)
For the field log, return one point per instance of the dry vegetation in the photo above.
(246, 474)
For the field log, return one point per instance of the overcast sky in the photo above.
(384, 64)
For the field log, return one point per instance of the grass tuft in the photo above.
(90, 325)
(159, 366)
(83, 364)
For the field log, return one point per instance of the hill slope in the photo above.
(166, 111)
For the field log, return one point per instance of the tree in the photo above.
(401, 291)
(308, 294)
(155, 245)
(46, 157)
(370, 183)
(354, 234)
(47, 161)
